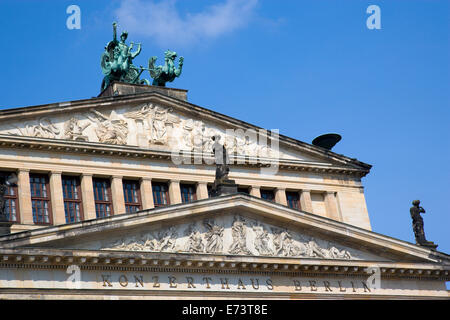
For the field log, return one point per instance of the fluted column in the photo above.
(280, 196)
(174, 192)
(57, 198)
(305, 201)
(147, 193)
(87, 194)
(23, 189)
(118, 199)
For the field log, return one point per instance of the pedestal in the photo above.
(428, 244)
(5, 226)
(224, 187)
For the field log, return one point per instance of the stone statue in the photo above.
(222, 185)
(417, 222)
(117, 61)
(166, 73)
(221, 158)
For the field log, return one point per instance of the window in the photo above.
(160, 194)
(293, 200)
(132, 196)
(267, 195)
(243, 190)
(188, 193)
(72, 199)
(40, 199)
(11, 201)
(102, 197)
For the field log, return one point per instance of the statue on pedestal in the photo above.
(222, 185)
(417, 222)
(117, 64)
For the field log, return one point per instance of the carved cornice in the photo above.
(101, 149)
(87, 259)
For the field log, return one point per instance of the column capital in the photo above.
(56, 172)
(23, 170)
(83, 174)
(117, 177)
(146, 179)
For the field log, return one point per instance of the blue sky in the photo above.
(304, 67)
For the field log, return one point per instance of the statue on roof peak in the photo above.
(117, 64)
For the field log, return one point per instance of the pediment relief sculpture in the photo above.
(73, 129)
(43, 129)
(147, 125)
(111, 130)
(232, 235)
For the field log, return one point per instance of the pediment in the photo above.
(157, 122)
(228, 234)
(236, 225)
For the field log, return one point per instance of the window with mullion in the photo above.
(72, 199)
(268, 195)
(188, 193)
(40, 199)
(132, 196)
(293, 200)
(160, 194)
(11, 201)
(102, 197)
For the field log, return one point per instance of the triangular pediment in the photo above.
(235, 225)
(154, 121)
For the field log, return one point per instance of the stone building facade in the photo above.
(113, 201)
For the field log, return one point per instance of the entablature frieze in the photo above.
(159, 262)
(100, 149)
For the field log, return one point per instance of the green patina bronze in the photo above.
(166, 73)
(117, 64)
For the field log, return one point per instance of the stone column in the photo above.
(118, 199)
(87, 196)
(332, 206)
(24, 193)
(305, 201)
(255, 191)
(280, 196)
(174, 192)
(57, 198)
(147, 193)
(202, 190)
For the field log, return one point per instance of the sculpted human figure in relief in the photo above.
(44, 129)
(262, 240)
(112, 131)
(195, 241)
(238, 231)
(73, 129)
(214, 242)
